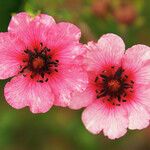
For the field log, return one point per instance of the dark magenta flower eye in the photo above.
(116, 86)
(39, 62)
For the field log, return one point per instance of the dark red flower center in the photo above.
(114, 84)
(39, 62)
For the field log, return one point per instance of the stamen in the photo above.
(42, 75)
(96, 91)
(117, 104)
(31, 76)
(103, 76)
(119, 98)
(124, 95)
(41, 44)
(39, 62)
(114, 86)
(46, 80)
(98, 96)
(119, 72)
(96, 79)
(24, 60)
(41, 81)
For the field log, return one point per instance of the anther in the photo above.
(41, 44)
(26, 51)
(36, 51)
(56, 65)
(31, 76)
(42, 75)
(96, 91)
(103, 76)
(124, 95)
(46, 80)
(24, 60)
(41, 81)
(49, 57)
(103, 71)
(98, 96)
(96, 79)
(56, 70)
(46, 49)
(109, 99)
(119, 72)
(117, 104)
(119, 98)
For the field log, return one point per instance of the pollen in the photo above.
(113, 85)
(38, 63)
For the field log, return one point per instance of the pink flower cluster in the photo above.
(49, 66)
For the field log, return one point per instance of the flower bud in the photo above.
(125, 14)
(100, 8)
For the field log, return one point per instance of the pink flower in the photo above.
(118, 92)
(44, 60)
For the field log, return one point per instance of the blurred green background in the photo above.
(61, 128)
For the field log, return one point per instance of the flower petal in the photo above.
(137, 59)
(23, 91)
(136, 56)
(138, 116)
(116, 124)
(22, 20)
(62, 35)
(69, 30)
(71, 54)
(98, 117)
(71, 78)
(45, 20)
(31, 30)
(81, 99)
(10, 55)
(112, 48)
(143, 75)
(108, 51)
(93, 59)
(19, 22)
(142, 96)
